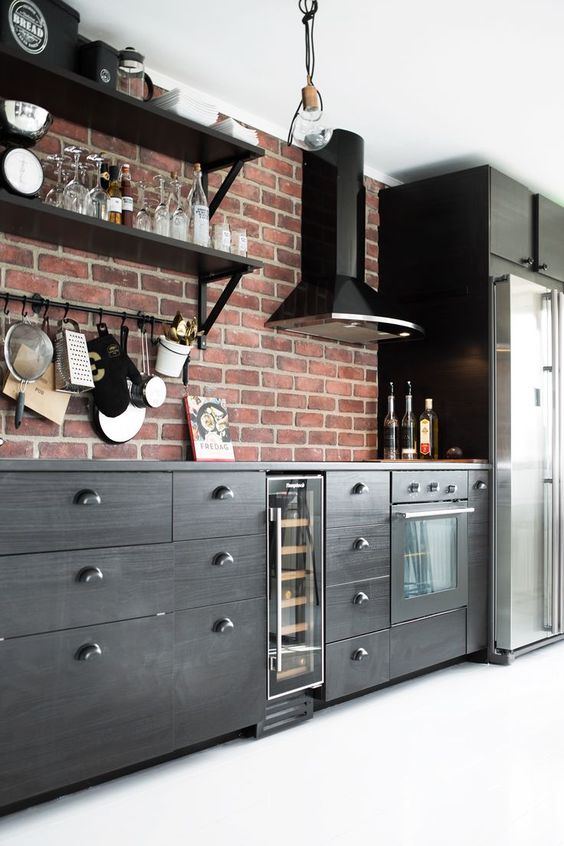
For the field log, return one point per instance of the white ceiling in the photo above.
(431, 86)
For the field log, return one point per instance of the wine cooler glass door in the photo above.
(295, 606)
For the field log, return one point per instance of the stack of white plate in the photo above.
(187, 106)
(231, 127)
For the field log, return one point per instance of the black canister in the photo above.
(46, 29)
(99, 61)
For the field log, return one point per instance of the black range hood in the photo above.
(333, 301)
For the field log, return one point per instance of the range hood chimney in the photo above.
(333, 301)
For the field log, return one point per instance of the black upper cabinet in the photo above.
(549, 229)
(511, 220)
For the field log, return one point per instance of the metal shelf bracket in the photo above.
(205, 320)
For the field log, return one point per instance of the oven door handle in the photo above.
(439, 512)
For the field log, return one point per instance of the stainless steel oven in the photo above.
(429, 543)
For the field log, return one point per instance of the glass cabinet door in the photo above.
(295, 558)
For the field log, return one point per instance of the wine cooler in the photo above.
(295, 587)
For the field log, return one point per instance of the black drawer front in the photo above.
(223, 570)
(40, 512)
(357, 498)
(423, 643)
(63, 590)
(357, 553)
(357, 664)
(218, 505)
(64, 720)
(357, 608)
(220, 677)
(452, 484)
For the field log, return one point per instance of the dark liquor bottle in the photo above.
(408, 428)
(126, 196)
(105, 174)
(391, 429)
(114, 196)
(429, 432)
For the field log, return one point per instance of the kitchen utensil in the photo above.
(131, 75)
(73, 370)
(28, 352)
(149, 391)
(23, 123)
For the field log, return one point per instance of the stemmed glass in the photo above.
(178, 218)
(142, 218)
(75, 194)
(161, 223)
(54, 196)
(97, 205)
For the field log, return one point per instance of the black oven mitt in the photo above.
(111, 367)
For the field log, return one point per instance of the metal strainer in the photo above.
(28, 352)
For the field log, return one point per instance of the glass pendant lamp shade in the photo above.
(309, 129)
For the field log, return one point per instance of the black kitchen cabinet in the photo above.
(511, 221)
(431, 640)
(549, 233)
(79, 703)
(219, 670)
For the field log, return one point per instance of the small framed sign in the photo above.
(208, 422)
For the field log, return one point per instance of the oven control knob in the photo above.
(414, 487)
(434, 487)
(452, 488)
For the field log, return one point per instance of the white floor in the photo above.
(469, 755)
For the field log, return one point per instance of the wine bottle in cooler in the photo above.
(391, 429)
(408, 428)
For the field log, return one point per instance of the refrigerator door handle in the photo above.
(276, 518)
(555, 582)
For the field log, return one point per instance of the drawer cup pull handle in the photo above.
(90, 575)
(481, 486)
(360, 488)
(360, 598)
(223, 626)
(361, 543)
(88, 498)
(359, 654)
(223, 492)
(222, 558)
(88, 652)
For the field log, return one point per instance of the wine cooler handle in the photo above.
(276, 518)
(359, 654)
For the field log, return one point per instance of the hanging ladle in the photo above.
(28, 352)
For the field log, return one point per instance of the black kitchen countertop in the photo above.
(136, 466)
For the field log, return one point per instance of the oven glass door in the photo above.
(429, 559)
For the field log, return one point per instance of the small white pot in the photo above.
(171, 357)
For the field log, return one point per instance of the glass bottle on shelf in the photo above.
(161, 219)
(114, 196)
(391, 427)
(126, 196)
(408, 428)
(429, 432)
(178, 218)
(97, 204)
(199, 211)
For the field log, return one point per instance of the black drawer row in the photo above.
(61, 590)
(80, 703)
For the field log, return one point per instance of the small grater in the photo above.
(73, 372)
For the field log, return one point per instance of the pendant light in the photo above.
(308, 129)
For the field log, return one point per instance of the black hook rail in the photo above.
(37, 303)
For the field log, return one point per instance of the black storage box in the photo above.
(99, 61)
(47, 29)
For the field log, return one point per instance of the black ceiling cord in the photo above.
(308, 8)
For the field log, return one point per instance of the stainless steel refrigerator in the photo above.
(527, 395)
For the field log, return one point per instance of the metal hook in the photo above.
(24, 301)
(67, 307)
(6, 301)
(153, 331)
(101, 313)
(47, 304)
(123, 319)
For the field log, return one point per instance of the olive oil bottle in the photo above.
(408, 428)
(391, 429)
(429, 432)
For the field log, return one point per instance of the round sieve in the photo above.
(28, 352)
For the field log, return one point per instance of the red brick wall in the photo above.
(290, 397)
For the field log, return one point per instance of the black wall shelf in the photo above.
(83, 101)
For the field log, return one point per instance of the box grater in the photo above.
(73, 372)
